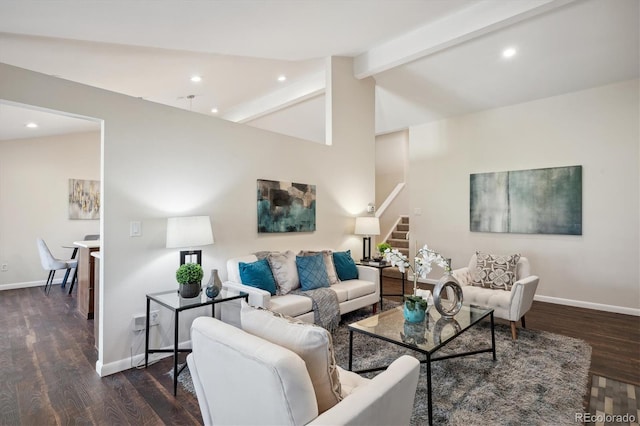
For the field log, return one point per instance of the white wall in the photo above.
(596, 128)
(160, 161)
(392, 168)
(34, 191)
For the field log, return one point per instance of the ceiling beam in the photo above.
(294, 93)
(479, 19)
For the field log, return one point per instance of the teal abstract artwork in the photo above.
(538, 201)
(286, 207)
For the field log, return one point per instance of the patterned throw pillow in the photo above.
(312, 343)
(312, 272)
(495, 271)
(327, 256)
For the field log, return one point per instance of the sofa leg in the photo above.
(375, 308)
(522, 319)
(514, 332)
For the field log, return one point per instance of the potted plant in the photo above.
(189, 276)
(382, 247)
(414, 308)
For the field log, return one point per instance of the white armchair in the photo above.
(242, 379)
(509, 305)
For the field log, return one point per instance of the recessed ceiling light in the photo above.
(196, 79)
(509, 52)
(31, 125)
(282, 78)
(214, 110)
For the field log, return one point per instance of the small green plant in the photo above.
(383, 246)
(189, 273)
(415, 302)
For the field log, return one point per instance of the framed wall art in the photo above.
(538, 201)
(286, 207)
(84, 199)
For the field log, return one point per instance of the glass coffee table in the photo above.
(426, 338)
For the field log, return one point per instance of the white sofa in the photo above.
(351, 294)
(243, 379)
(509, 305)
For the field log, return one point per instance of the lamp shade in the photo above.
(191, 231)
(368, 225)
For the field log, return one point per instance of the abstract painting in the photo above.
(286, 206)
(84, 199)
(538, 201)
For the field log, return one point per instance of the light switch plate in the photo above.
(135, 228)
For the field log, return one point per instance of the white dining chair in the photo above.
(52, 264)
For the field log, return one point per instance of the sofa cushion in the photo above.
(355, 288)
(291, 305)
(285, 272)
(310, 342)
(495, 271)
(345, 266)
(258, 274)
(341, 292)
(312, 271)
(327, 257)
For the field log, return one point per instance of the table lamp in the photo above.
(367, 226)
(188, 232)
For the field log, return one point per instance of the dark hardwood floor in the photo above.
(47, 363)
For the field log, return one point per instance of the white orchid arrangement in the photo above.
(421, 262)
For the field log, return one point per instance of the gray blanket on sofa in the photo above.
(326, 310)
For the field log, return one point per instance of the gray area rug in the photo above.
(540, 379)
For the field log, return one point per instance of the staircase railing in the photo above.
(385, 205)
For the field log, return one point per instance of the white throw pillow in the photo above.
(310, 342)
(285, 272)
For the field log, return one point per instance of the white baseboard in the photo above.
(588, 305)
(136, 360)
(12, 286)
(571, 302)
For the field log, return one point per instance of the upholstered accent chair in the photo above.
(52, 264)
(243, 379)
(510, 303)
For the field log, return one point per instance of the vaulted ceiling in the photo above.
(430, 59)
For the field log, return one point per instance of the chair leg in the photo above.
(49, 282)
(64, 280)
(514, 332)
(375, 308)
(522, 319)
(73, 280)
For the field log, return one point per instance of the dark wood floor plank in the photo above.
(47, 362)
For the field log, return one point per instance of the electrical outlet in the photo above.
(140, 321)
(4, 267)
(154, 318)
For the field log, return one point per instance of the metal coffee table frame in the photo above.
(475, 315)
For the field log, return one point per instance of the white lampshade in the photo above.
(368, 225)
(189, 231)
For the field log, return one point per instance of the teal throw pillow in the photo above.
(258, 274)
(345, 266)
(312, 272)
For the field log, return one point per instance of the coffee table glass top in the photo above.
(427, 336)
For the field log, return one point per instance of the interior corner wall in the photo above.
(159, 161)
(392, 168)
(34, 201)
(597, 129)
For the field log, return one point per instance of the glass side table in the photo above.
(171, 300)
(381, 267)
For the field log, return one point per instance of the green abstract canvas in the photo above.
(538, 201)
